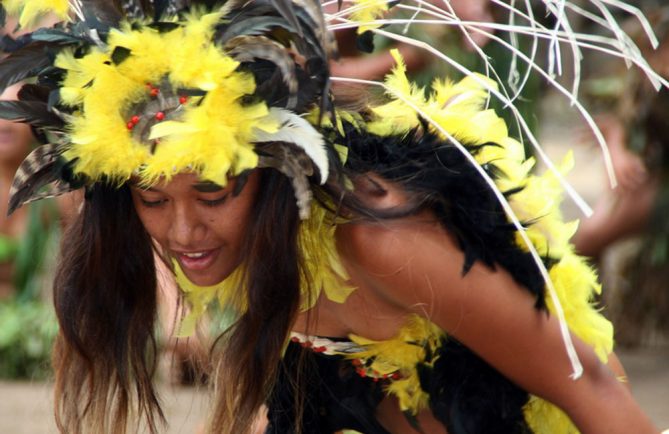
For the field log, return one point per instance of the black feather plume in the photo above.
(57, 36)
(254, 26)
(248, 48)
(287, 11)
(102, 14)
(24, 63)
(36, 113)
(34, 92)
(160, 7)
(9, 44)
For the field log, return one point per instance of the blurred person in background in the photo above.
(28, 241)
(15, 144)
(28, 244)
(638, 138)
(355, 63)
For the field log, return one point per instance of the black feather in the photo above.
(101, 14)
(159, 8)
(34, 92)
(119, 55)
(311, 15)
(365, 42)
(254, 26)
(54, 98)
(51, 77)
(287, 11)
(36, 113)
(468, 396)
(247, 48)
(164, 27)
(24, 63)
(337, 397)
(191, 92)
(57, 36)
(9, 44)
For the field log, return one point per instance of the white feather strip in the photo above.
(296, 130)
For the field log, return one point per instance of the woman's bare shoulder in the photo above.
(385, 254)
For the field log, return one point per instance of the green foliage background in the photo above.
(27, 331)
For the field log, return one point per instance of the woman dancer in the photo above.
(369, 253)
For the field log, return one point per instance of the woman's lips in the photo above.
(197, 261)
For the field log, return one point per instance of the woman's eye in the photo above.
(214, 202)
(151, 203)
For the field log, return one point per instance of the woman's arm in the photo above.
(417, 264)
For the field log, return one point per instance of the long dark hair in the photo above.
(251, 349)
(105, 299)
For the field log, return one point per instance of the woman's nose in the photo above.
(186, 228)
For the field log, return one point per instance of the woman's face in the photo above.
(200, 224)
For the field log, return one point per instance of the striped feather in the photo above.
(39, 170)
(295, 164)
(247, 48)
(297, 131)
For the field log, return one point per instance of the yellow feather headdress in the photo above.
(210, 132)
(147, 99)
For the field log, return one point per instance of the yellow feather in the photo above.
(401, 354)
(228, 293)
(397, 117)
(367, 11)
(545, 418)
(576, 283)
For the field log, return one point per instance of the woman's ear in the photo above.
(379, 193)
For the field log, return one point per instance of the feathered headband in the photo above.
(216, 91)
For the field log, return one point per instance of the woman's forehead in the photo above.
(181, 181)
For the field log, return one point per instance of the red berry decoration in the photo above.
(160, 116)
(183, 99)
(134, 119)
(154, 91)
